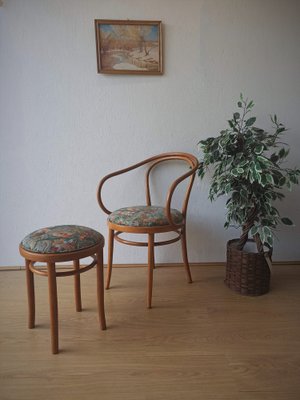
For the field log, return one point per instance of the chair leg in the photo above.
(30, 295)
(150, 268)
(111, 236)
(100, 290)
(77, 286)
(185, 255)
(53, 306)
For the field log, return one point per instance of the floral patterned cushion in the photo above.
(61, 239)
(144, 216)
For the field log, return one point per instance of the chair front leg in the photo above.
(150, 268)
(185, 255)
(111, 236)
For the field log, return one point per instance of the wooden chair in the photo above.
(150, 219)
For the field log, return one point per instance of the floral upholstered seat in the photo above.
(144, 216)
(61, 239)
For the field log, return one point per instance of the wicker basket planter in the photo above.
(246, 273)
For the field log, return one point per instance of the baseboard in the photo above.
(159, 265)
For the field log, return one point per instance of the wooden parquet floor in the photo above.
(199, 341)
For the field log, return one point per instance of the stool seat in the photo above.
(61, 239)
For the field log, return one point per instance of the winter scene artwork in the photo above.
(129, 47)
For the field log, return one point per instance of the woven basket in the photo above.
(246, 273)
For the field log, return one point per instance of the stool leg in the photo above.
(30, 295)
(77, 286)
(100, 289)
(53, 306)
(150, 268)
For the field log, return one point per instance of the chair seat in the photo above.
(61, 239)
(144, 216)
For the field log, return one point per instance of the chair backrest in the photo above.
(191, 161)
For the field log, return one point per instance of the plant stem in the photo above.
(259, 245)
(246, 228)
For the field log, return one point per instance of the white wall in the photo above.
(63, 126)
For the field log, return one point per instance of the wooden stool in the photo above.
(59, 244)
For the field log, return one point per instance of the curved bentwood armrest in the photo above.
(188, 158)
(113, 174)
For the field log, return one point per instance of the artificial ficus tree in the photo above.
(248, 168)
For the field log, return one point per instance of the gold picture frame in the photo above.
(129, 47)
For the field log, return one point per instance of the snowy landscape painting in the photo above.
(129, 47)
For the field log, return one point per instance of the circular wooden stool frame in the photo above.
(96, 252)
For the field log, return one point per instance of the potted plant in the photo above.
(248, 168)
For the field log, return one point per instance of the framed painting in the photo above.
(128, 47)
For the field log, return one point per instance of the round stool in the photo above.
(59, 244)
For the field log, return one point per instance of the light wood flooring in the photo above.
(199, 341)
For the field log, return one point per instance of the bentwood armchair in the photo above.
(151, 219)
